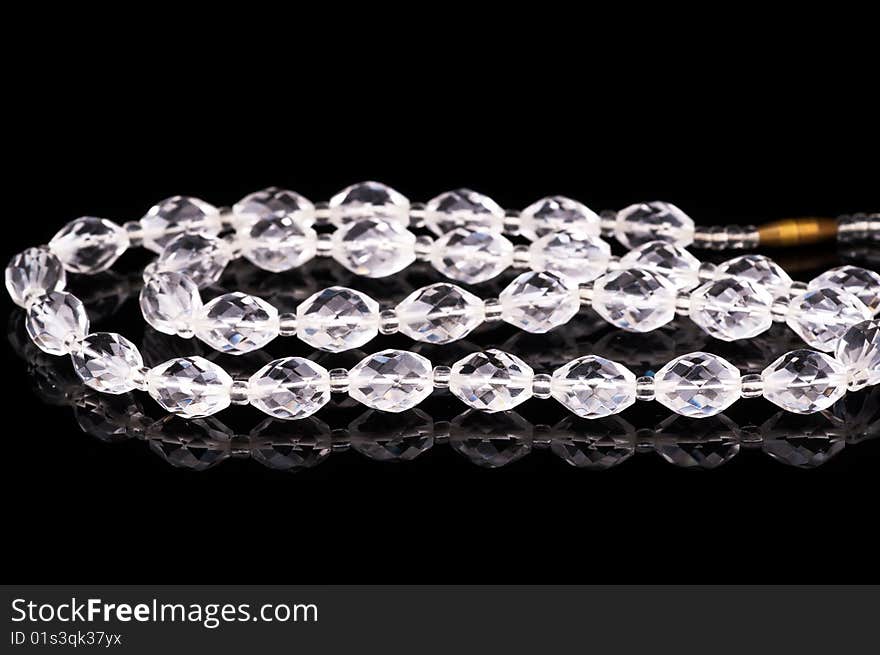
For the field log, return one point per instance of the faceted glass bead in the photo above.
(107, 362)
(822, 316)
(273, 202)
(374, 247)
(177, 215)
(388, 437)
(804, 381)
(593, 444)
(471, 256)
(55, 320)
(201, 258)
(282, 447)
(439, 313)
(667, 259)
(634, 299)
(391, 380)
(572, 256)
(369, 200)
(653, 221)
(277, 243)
(191, 444)
(538, 302)
(859, 350)
(237, 323)
(697, 385)
(337, 319)
(593, 387)
(289, 388)
(170, 302)
(491, 441)
(862, 283)
(731, 308)
(558, 214)
(190, 386)
(463, 208)
(32, 273)
(491, 381)
(89, 244)
(758, 269)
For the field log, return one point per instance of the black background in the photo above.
(726, 146)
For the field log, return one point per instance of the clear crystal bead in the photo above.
(391, 380)
(273, 202)
(89, 244)
(367, 200)
(55, 321)
(558, 214)
(191, 387)
(176, 215)
(752, 385)
(804, 381)
(337, 319)
(237, 323)
(32, 273)
(758, 269)
(653, 221)
(538, 302)
(276, 445)
(667, 259)
(573, 256)
(388, 437)
(192, 444)
(595, 444)
(471, 256)
(463, 208)
(491, 441)
(634, 299)
(859, 350)
(170, 302)
(697, 385)
(698, 444)
(290, 388)
(439, 313)
(822, 316)
(374, 247)
(491, 381)
(107, 362)
(201, 258)
(277, 243)
(645, 388)
(860, 282)
(731, 308)
(593, 387)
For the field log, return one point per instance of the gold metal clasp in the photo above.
(797, 231)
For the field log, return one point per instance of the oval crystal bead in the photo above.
(759, 270)
(558, 214)
(730, 309)
(859, 350)
(391, 380)
(55, 321)
(862, 283)
(491, 381)
(107, 362)
(822, 316)
(176, 215)
(804, 381)
(439, 313)
(277, 243)
(89, 244)
(237, 323)
(199, 257)
(290, 388)
(593, 387)
(538, 302)
(170, 303)
(697, 385)
(337, 319)
(366, 200)
(653, 221)
(667, 259)
(32, 273)
(572, 256)
(463, 208)
(374, 247)
(191, 387)
(471, 256)
(634, 299)
(273, 202)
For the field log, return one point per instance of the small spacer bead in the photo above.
(322, 213)
(706, 272)
(388, 322)
(424, 245)
(324, 245)
(417, 214)
(585, 293)
(752, 385)
(140, 378)
(521, 256)
(239, 392)
(441, 376)
(135, 232)
(287, 324)
(492, 309)
(186, 331)
(608, 222)
(339, 380)
(683, 303)
(779, 309)
(511, 221)
(541, 385)
(797, 288)
(645, 388)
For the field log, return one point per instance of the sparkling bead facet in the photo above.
(367, 200)
(89, 244)
(653, 221)
(804, 381)
(593, 387)
(860, 282)
(758, 269)
(439, 313)
(822, 316)
(538, 302)
(463, 208)
(107, 362)
(634, 299)
(374, 247)
(337, 319)
(576, 257)
(55, 320)
(277, 243)
(391, 380)
(667, 259)
(190, 386)
(201, 258)
(273, 203)
(731, 308)
(289, 388)
(697, 385)
(471, 256)
(237, 323)
(177, 215)
(491, 381)
(169, 302)
(32, 273)
(859, 350)
(558, 214)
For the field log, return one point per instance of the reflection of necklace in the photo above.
(571, 266)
